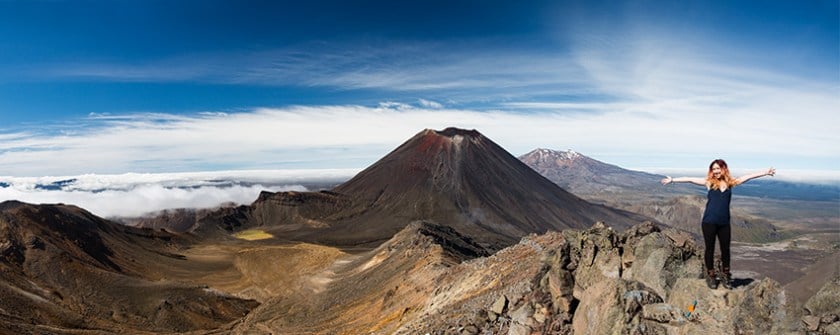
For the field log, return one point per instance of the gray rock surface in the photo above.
(643, 281)
(822, 311)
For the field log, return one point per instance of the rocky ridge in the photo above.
(63, 269)
(822, 311)
(426, 279)
(597, 281)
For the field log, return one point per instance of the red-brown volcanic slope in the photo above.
(457, 178)
(454, 177)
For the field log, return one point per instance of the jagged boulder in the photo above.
(614, 307)
(594, 256)
(560, 283)
(757, 308)
(658, 262)
(822, 311)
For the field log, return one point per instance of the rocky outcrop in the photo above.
(822, 311)
(307, 209)
(597, 281)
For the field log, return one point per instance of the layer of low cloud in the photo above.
(143, 200)
(133, 194)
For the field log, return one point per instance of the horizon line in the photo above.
(312, 174)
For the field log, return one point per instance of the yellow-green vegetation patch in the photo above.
(253, 235)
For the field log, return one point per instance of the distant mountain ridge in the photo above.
(588, 177)
(591, 178)
(454, 177)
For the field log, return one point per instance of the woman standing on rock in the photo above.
(715, 222)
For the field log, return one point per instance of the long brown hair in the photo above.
(725, 176)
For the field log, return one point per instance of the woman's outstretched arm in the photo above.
(744, 179)
(698, 181)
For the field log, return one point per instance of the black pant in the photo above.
(723, 232)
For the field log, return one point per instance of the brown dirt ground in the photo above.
(256, 269)
(802, 265)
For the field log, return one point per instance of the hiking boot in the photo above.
(726, 279)
(711, 280)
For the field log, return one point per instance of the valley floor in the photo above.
(785, 261)
(802, 264)
(259, 270)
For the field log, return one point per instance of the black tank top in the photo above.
(717, 206)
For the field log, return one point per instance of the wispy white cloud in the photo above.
(635, 95)
(355, 136)
(683, 96)
(430, 104)
(470, 71)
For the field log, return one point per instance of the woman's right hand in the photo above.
(667, 180)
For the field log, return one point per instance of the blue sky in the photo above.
(178, 86)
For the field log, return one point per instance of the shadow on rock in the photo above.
(741, 282)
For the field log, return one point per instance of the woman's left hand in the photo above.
(771, 172)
